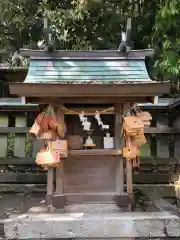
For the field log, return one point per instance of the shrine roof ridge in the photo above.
(87, 54)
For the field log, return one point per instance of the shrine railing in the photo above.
(160, 157)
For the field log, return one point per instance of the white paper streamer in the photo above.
(84, 121)
(99, 121)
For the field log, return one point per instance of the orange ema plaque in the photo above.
(59, 146)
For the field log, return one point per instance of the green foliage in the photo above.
(10, 144)
(11, 141)
(85, 24)
(20, 24)
(79, 24)
(167, 39)
(95, 24)
(29, 145)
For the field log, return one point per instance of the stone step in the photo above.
(83, 208)
(93, 208)
(91, 225)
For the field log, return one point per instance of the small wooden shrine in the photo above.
(87, 128)
(90, 84)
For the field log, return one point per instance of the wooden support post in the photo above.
(129, 180)
(59, 179)
(59, 169)
(118, 145)
(129, 177)
(50, 185)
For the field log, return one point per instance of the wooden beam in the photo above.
(147, 161)
(41, 177)
(86, 54)
(95, 152)
(148, 89)
(150, 130)
(94, 197)
(85, 100)
(166, 190)
(118, 145)
(154, 161)
(161, 130)
(18, 109)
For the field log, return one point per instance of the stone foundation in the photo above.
(91, 225)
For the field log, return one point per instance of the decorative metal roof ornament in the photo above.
(124, 46)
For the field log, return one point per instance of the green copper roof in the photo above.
(82, 70)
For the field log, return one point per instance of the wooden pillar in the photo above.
(50, 185)
(59, 169)
(118, 145)
(129, 180)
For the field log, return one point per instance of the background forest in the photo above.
(97, 24)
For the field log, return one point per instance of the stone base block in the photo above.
(91, 225)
